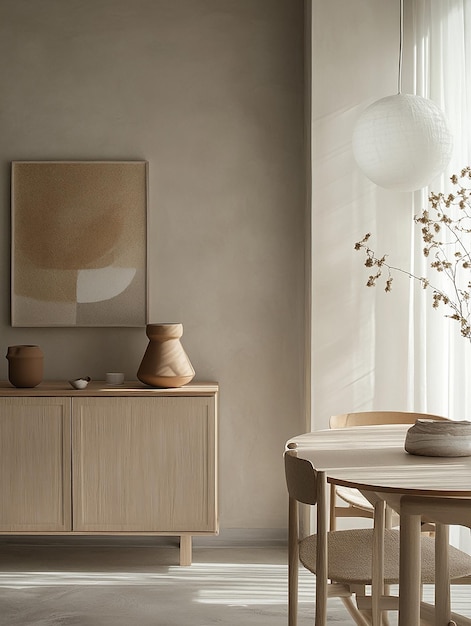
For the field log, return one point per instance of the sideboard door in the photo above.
(144, 464)
(35, 462)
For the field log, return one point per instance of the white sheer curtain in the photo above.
(440, 361)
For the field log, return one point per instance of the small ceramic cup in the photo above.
(114, 378)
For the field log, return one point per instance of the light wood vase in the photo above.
(25, 365)
(165, 362)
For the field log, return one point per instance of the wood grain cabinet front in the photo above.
(35, 475)
(143, 464)
(130, 460)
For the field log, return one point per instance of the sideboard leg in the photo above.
(185, 550)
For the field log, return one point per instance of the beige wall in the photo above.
(353, 64)
(210, 92)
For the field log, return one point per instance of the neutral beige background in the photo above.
(210, 92)
(355, 364)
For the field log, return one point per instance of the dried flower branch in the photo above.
(446, 233)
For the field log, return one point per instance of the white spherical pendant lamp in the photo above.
(402, 142)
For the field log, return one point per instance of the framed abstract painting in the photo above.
(79, 254)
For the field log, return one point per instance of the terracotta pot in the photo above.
(165, 362)
(25, 365)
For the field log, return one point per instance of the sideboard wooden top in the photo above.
(100, 388)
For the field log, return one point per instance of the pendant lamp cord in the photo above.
(401, 37)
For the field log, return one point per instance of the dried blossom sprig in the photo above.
(446, 233)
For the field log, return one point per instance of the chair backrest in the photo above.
(301, 478)
(375, 418)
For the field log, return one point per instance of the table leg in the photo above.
(442, 575)
(409, 571)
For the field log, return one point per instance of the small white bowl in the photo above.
(80, 383)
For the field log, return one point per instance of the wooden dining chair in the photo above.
(342, 561)
(451, 565)
(354, 503)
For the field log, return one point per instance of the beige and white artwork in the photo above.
(79, 243)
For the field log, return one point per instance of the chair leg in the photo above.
(332, 503)
(442, 575)
(293, 562)
(321, 554)
(377, 565)
(359, 619)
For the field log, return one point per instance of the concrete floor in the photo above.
(112, 585)
(87, 584)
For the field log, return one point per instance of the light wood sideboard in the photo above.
(127, 460)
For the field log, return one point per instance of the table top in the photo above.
(372, 458)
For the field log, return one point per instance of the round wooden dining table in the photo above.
(373, 460)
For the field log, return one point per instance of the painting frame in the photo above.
(79, 243)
